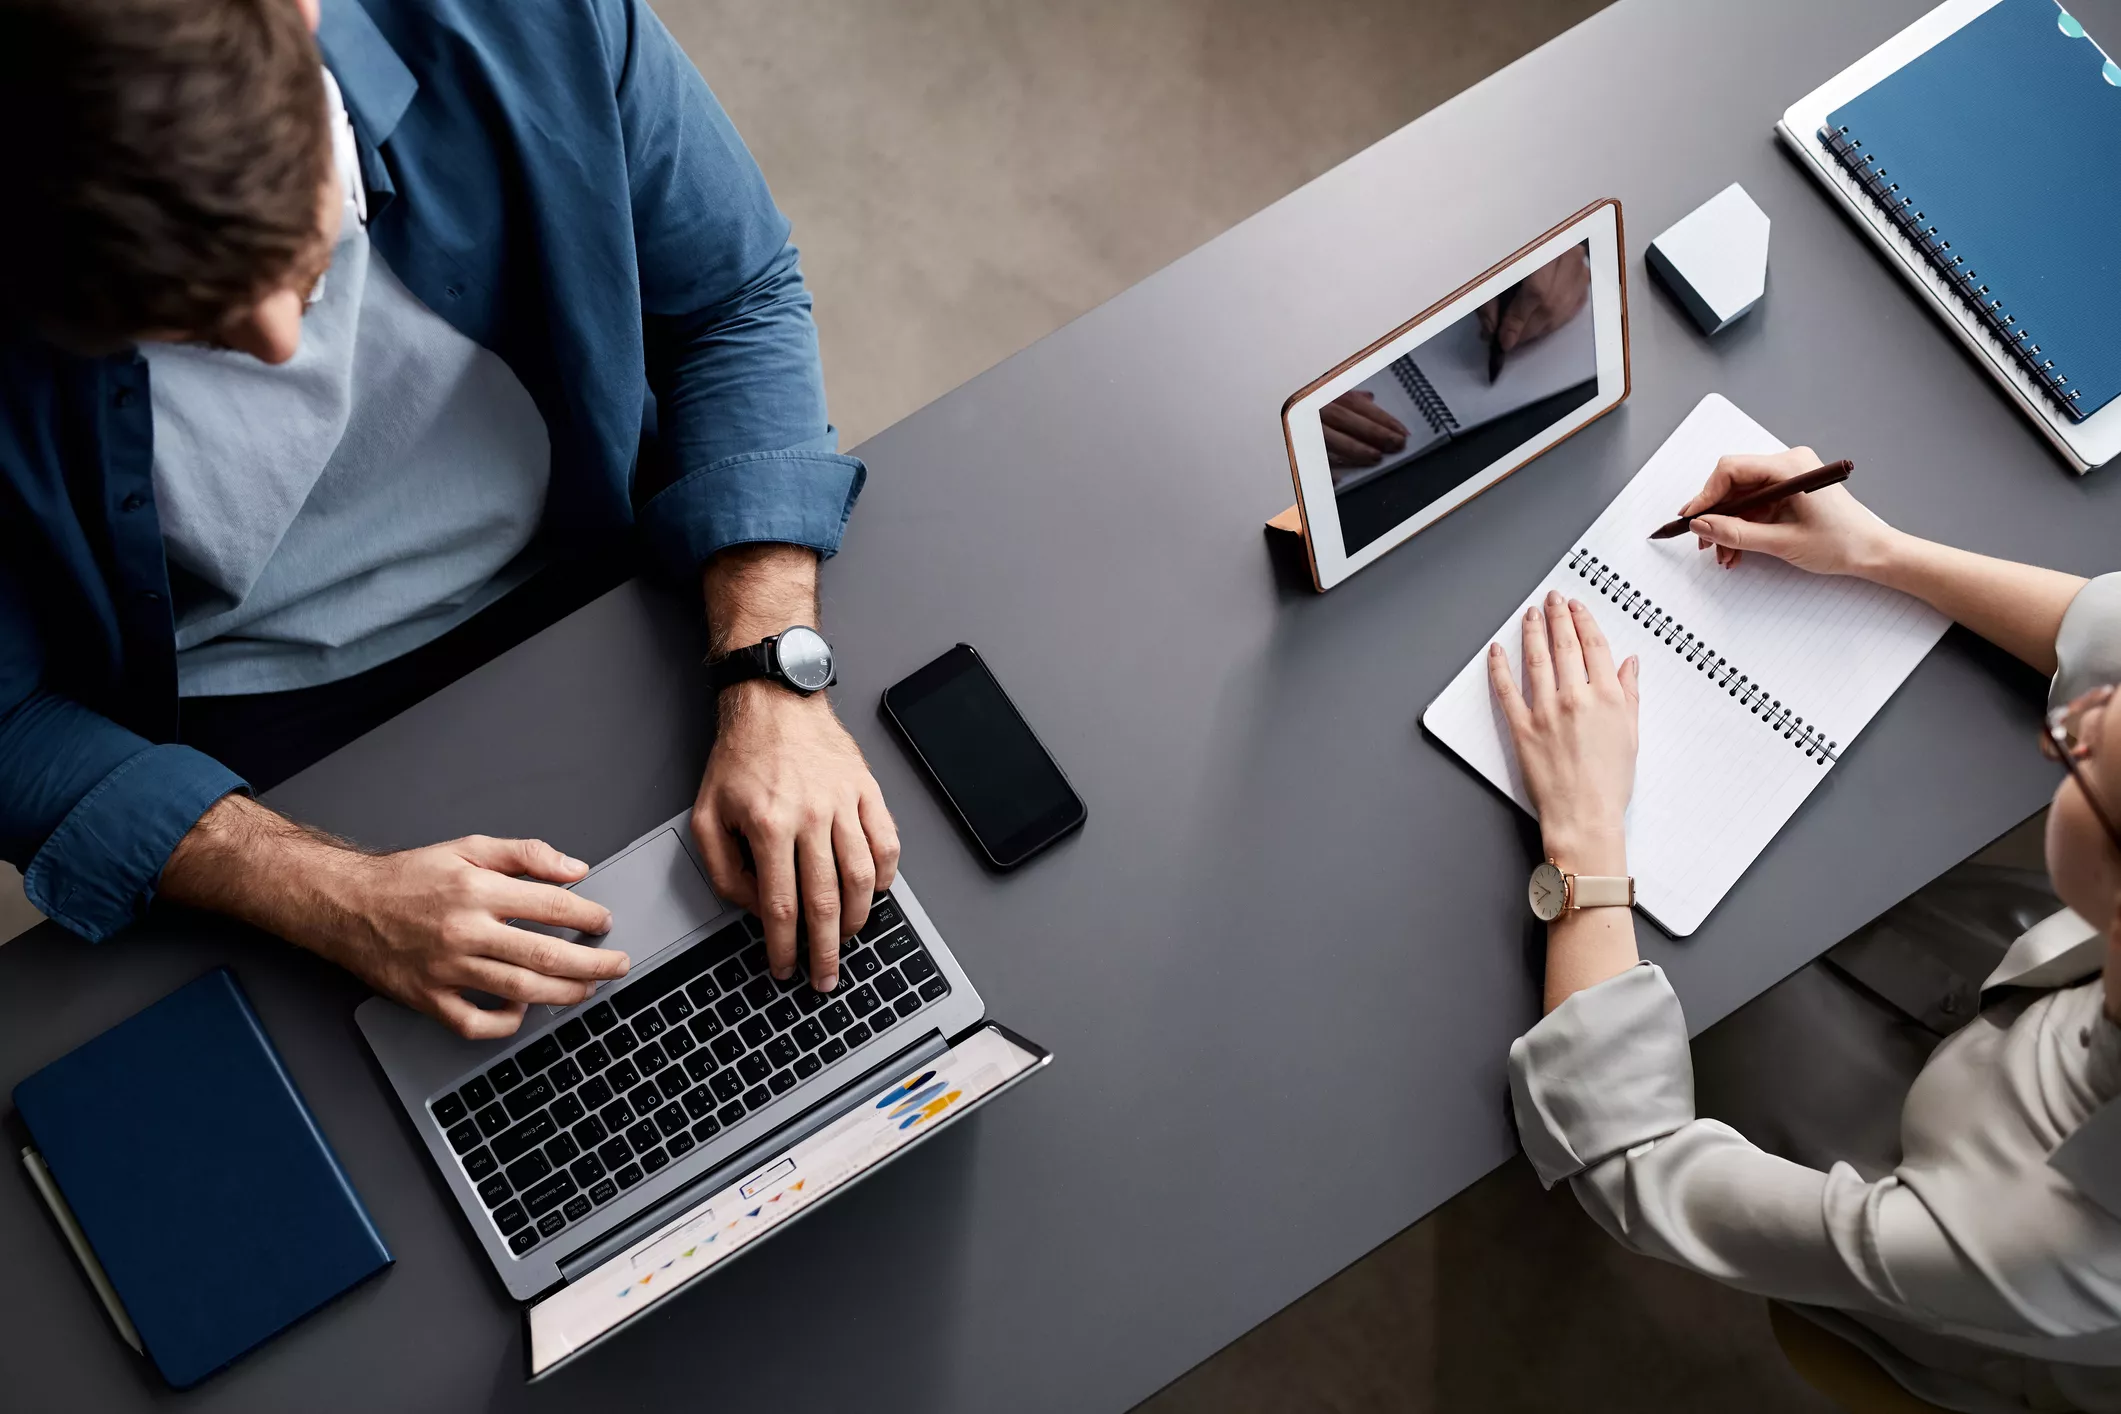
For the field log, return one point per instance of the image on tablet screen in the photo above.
(1470, 392)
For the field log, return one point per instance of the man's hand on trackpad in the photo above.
(786, 780)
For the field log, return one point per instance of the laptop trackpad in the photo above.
(655, 892)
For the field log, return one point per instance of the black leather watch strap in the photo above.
(742, 665)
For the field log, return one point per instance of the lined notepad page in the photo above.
(1754, 679)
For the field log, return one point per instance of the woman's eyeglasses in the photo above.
(2063, 740)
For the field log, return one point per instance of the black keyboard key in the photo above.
(760, 992)
(465, 1137)
(492, 1120)
(673, 1083)
(605, 1191)
(699, 1103)
(510, 1216)
(934, 989)
(616, 1115)
(628, 1176)
(592, 1057)
(882, 1020)
(756, 1097)
(855, 1034)
(675, 1008)
(810, 999)
(731, 974)
(615, 1151)
(807, 1066)
(705, 1027)
(528, 1099)
(529, 1169)
(782, 1050)
(654, 1159)
(919, 968)
(476, 1094)
(449, 1110)
(561, 1149)
(907, 1005)
(596, 1094)
(726, 1085)
(890, 985)
(727, 1047)
(649, 1025)
(619, 1040)
(754, 957)
(679, 1144)
(495, 1191)
(623, 1076)
(706, 1129)
(544, 1197)
(600, 1018)
(642, 993)
(897, 946)
(538, 1055)
(863, 1001)
(573, 1034)
(832, 1050)
(863, 965)
(651, 1058)
(510, 1144)
(699, 1065)
(672, 1120)
(587, 1169)
(590, 1132)
(754, 1068)
(883, 917)
(565, 1076)
(730, 1113)
(643, 1136)
(524, 1240)
(782, 1082)
(809, 1035)
(702, 992)
(568, 1109)
(677, 1043)
(577, 1207)
(836, 1018)
(505, 1076)
(644, 1098)
(479, 1163)
(755, 1031)
(732, 1010)
(783, 1013)
(551, 1223)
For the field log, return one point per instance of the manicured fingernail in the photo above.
(1494, 650)
(782, 974)
(1531, 614)
(625, 963)
(828, 984)
(1576, 603)
(572, 863)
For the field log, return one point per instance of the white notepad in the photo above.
(1754, 679)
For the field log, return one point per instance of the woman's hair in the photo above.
(166, 162)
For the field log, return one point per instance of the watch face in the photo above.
(1548, 892)
(805, 658)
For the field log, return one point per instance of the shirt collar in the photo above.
(378, 86)
(2055, 952)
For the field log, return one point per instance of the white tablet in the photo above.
(1461, 395)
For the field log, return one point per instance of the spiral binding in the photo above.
(1424, 395)
(1900, 210)
(1698, 655)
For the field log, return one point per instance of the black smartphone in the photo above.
(990, 765)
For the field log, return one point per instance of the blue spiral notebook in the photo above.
(1997, 153)
(215, 1212)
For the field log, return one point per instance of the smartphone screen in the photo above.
(984, 755)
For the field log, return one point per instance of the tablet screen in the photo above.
(1470, 391)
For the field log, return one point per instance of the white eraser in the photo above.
(1714, 259)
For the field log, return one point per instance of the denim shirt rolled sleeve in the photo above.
(731, 347)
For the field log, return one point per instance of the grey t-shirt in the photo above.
(330, 513)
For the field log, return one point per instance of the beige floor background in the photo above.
(964, 177)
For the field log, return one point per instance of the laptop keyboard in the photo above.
(565, 1123)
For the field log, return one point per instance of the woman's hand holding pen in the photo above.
(1826, 532)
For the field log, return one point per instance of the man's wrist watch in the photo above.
(1554, 893)
(798, 658)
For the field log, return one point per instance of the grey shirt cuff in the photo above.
(1606, 1070)
(2088, 645)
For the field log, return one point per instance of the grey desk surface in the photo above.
(1280, 967)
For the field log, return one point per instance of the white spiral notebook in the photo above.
(1754, 679)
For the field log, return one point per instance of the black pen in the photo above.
(1832, 474)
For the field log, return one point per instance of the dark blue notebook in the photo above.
(201, 1180)
(1998, 153)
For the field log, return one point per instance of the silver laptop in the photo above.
(695, 1100)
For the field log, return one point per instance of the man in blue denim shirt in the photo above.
(497, 216)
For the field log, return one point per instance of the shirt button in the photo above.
(2084, 1037)
(150, 596)
(132, 502)
(123, 398)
